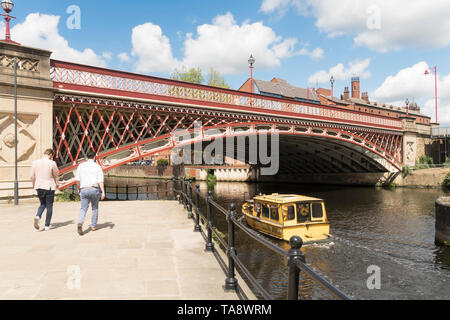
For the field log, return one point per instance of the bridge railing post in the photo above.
(197, 227)
(231, 281)
(294, 272)
(209, 244)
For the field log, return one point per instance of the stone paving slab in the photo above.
(143, 250)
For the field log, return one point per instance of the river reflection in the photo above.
(392, 229)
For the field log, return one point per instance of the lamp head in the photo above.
(251, 60)
(7, 5)
(332, 80)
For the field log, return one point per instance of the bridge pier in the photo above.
(35, 114)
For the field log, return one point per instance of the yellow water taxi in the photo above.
(283, 216)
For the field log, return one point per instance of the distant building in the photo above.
(350, 100)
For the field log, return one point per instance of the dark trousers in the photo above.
(47, 197)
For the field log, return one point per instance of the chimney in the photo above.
(346, 94)
(365, 97)
(356, 88)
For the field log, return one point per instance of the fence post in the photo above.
(189, 198)
(295, 254)
(137, 192)
(117, 192)
(157, 190)
(127, 192)
(147, 191)
(231, 281)
(167, 189)
(209, 244)
(197, 227)
(174, 189)
(184, 193)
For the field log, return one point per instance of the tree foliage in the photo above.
(195, 75)
(192, 75)
(216, 80)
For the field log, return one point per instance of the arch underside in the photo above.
(120, 136)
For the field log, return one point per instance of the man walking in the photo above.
(44, 178)
(91, 189)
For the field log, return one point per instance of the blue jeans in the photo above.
(46, 197)
(88, 196)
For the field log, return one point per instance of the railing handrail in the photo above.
(295, 256)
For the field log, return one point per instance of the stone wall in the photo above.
(35, 113)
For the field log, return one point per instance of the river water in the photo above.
(389, 229)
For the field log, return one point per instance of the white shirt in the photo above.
(89, 174)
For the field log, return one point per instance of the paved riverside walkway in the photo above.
(143, 250)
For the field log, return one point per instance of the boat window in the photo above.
(290, 213)
(274, 213)
(302, 212)
(265, 211)
(258, 208)
(317, 211)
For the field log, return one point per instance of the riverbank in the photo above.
(424, 178)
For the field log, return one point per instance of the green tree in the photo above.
(193, 75)
(216, 80)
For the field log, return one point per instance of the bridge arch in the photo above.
(304, 148)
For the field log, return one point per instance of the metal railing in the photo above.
(440, 132)
(157, 191)
(296, 259)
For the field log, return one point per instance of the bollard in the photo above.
(231, 281)
(167, 189)
(209, 244)
(197, 227)
(295, 254)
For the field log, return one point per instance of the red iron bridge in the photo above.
(124, 117)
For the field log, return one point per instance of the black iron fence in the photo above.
(189, 196)
(160, 190)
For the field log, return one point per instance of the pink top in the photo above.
(45, 174)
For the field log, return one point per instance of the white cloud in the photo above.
(223, 45)
(152, 49)
(226, 46)
(41, 31)
(411, 83)
(340, 72)
(124, 57)
(379, 25)
(315, 54)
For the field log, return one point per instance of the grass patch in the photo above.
(66, 196)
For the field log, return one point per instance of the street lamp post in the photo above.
(7, 6)
(427, 72)
(332, 88)
(16, 175)
(251, 62)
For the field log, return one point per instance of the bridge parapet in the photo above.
(73, 78)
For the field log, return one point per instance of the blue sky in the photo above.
(388, 43)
